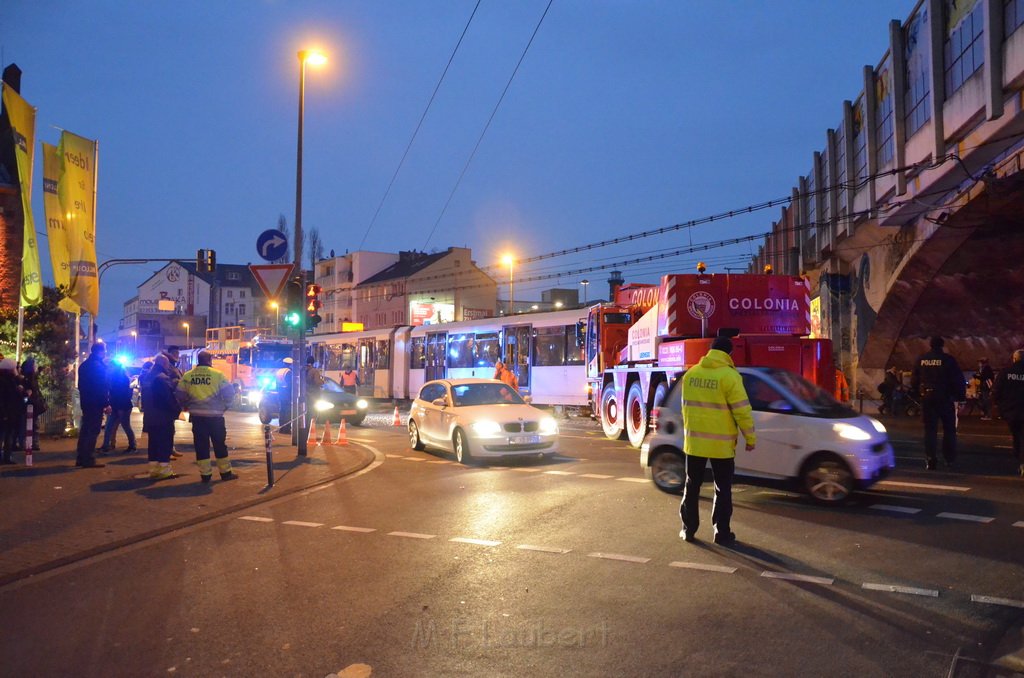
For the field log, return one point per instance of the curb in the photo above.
(36, 570)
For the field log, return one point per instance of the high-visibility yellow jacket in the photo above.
(715, 407)
(205, 392)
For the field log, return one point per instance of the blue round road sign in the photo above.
(272, 244)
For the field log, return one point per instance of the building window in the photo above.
(886, 144)
(841, 167)
(860, 142)
(241, 309)
(826, 187)
(232, 275)
(241, 294)
(918, 57)
(1013, 16)
(964, 50)
(812, 198)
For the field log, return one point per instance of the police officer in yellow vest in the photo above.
(207, 394)
(715, 409)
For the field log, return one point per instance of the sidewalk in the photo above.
(54, 513)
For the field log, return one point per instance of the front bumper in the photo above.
(504, 446)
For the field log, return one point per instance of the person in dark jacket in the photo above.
(940, 383)
(159, 412)
(986, 379)
(120, 408)
(1009, 396)
(30, 381)
(12, 400)
(95, 399)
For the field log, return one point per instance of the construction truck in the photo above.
(648, 334)
(248, 357)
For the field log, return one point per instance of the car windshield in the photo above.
(333, 386)
(271, 355)
(820, 401)
(466, 395)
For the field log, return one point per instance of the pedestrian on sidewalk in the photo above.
(937, 379)
(120, 408)
(986, 380)
(30, 381)
(159, 412)
(1008, 393)
(715, 410)
(12, 400)
(206, 393)
(95, 400)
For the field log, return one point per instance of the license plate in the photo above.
(347, 412)
(524, 440)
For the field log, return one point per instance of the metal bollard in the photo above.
(268, 441)
(29, 434)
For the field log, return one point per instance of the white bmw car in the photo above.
(803, 434)
(479, 418)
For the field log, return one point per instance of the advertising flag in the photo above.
(56, 231)
(23, 127)
(76, 190)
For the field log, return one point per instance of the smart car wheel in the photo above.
(610, 413)
(668, 471)
(462, 454)
(827, 479)
(414, 436)
(636, 415)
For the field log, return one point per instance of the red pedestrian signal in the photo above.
(313, 306)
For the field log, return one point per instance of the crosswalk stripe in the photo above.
(966, 516)
(528, 470)
(301, 523)
(256, 519)
(618, 556)
(1019, 523)
(701, 566)
(895, 509)
(478, 542)
(633, 480)
(411, 535)
(543, 549)
(560, 473)
(895, 588)
(349, 528)
(595, 475)
(789, 576)
(997, 601)
(925, 486)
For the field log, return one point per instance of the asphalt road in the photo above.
(418, 566)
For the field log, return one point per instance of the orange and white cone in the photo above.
(342, 438)
(311, 438)
(325, 439)
(398, 418)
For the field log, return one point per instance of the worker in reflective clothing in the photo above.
(715, 410)
(207, 394)
(349, 380)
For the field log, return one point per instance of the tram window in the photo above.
(488, 349)
(574, 347)
(461, 350)
(383, 355)
(418, 359)
(549, 346)
(616, 319)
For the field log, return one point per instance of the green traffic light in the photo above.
(292, 319)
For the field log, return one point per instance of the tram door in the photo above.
(366, 365)
(434, 353)
(517, 352)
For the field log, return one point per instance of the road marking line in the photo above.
(926, 486)
(302, 523)
(633, 480)
(789, 576)
(559, 473)
(542, 549)
(1019, 523)
(895, 509)
(440, 461)
(349, 528)
(1003, 447)
(966, 516)
(414, 458)
(618, 556)
(701, 566)
(478, 542)
(596, 475)
(256, 519)
(411, 535)
(997, 601)
(395, 456)
(894, 588)
(527, 470)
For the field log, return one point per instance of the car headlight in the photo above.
(255, 397)
(361, 404)
(548, 426)
(850, 432)
(486, 428)
(323, 406)
(879, 426)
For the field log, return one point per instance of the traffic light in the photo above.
(312, 306)
(293, 303)
(206, 261)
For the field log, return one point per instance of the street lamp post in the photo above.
(277, 316)
(510, 261)
(316, 58)
(584, 283)
(188, 335)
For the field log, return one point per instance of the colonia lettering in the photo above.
(767, 304)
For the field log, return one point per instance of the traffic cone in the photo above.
(311, 438)
(342, 438)
(398, 418)
(325, 439)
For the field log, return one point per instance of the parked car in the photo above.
(803, 435)
(476, 418)
(331, 404)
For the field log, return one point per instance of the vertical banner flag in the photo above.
(23, 127)
(56, 230)
(77, 195)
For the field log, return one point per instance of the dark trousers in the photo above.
(932, 412)
(1017, 431)
(122, 418)
(721, 513)
(205, 430)
(161, 442)
(8, 436)
(88, 432)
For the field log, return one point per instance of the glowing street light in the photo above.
(585, 283)
(188, 335)
(510, 261)
(277, 318)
